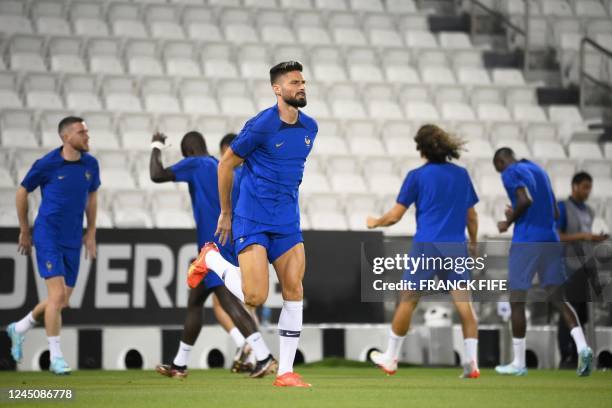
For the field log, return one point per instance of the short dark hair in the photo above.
(504, 152)
(67, 121)
(227, 140)
(436, 145)
(193, 141)
(580, 177)
(283, 68)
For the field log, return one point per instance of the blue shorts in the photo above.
(54, 260)
(277, 239)
(528, 258)
(455, 252)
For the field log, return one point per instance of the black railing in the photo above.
(584, 75)
(508, 23)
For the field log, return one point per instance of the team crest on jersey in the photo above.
(241, 240)
(87, 175)
(49, 265)
(307, 141)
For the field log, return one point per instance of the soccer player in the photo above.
(199, 170)
(265, 226)
(69, 178)
(444, 197)
(535, 249)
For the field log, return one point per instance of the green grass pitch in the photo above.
(335, 384)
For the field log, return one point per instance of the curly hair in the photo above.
(436, 145)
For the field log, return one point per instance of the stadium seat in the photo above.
(132, 218)
(363, 145)
(81, 93)
(473, 76)
(529, 113)
(313, 36)
(141, 58)
(348, 109)
(9, 98)
(589, 8)
(65, 55)
(384, 110)
(401, 145)
(203, 30)
(119, 95)
(330, 5)
(492, 112)
(466, 58)
(478, 149)
(349, 37)
(602, 187)
(401, 6)
(414, 93)
(402, 74)
(343, 183)
(102, 132)
(508, 77)
(104, 57)
(41, 92)
(86, 19)
(25, 53)
(296, 4)
(332, 220)
(180, 60)
(158, 96)
(420, 39)
(597, 168)
(169, 218)
(126, 21)
(584, 150)
(218, 68)
(163, 22)
(491, 186)
(117, 179)
(365, 73)
(197, 97)
(454, 40)
(15, 25)
(548, 150)
(314, 182)
(135, 131)
(520, 96)
(557, 8)
(457, 111)
(421, 111)
(385, 37)
(437, 75)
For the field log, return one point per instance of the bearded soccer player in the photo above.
(535, 250)
(69, 178)
(199, 170)
(265, 222)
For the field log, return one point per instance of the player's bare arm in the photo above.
(523, 201)
(472, 228)
(158, 173)
(91, 210)
(228, 163)
(25, 234)
(389, 218)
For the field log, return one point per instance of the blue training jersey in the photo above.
(442, 192)
(274, 153)
(537, 224)
(65, 186)
(200, 174)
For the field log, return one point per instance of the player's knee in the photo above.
(295, 292)
(255, 298)
(57, 301)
